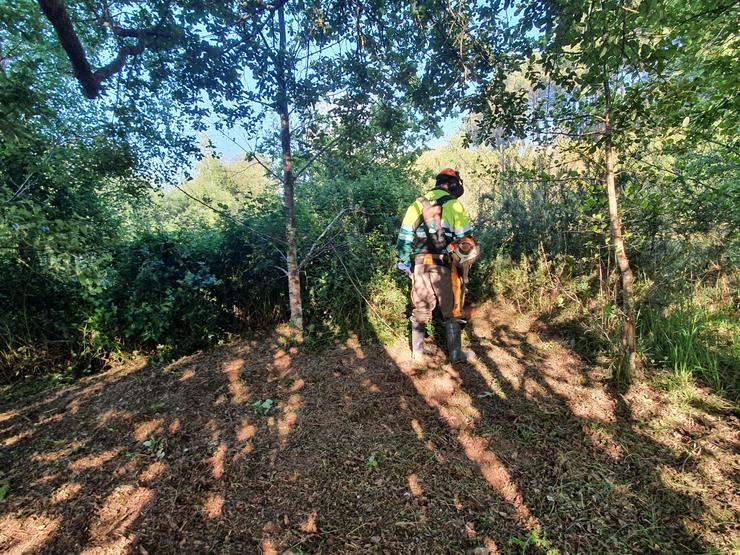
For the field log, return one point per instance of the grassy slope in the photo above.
(526, 450)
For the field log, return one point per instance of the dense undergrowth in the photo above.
(173, 275)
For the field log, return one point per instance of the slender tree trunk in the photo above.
(294, 280)
(629, 363)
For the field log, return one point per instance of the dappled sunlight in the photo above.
(491, 382)
(73, 407)
(213, 429)
(19, 536)
(429, 444)
(463, 456)
(237, 389)
(267, 546)
(174, 426)
(287, 421)
(353, 343)
(365, 381)
(119, 511)
(8, 415)
(243, 452)
(441, 389)
(52, 456)
(368, 384)
(245, 431)
(281, 361)
(188, 374)
(309, 526)
(126, 468)
(113, 415)
(534, 390)
(216, 461)
(53, 419)
(297, 385)
(497, 475)
(414, 486)
(145, 429)
(65, 492)
(584, 402)
(214, 505)
(603, 441)
(152, 472)
(509, 368)
(95, 460)
(17, 438)
(45, 479)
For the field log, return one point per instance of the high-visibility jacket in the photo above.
(412, 238)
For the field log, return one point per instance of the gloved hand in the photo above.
(405, 267)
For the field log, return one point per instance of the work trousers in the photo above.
(431, 286)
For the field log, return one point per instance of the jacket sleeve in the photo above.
(407, 234)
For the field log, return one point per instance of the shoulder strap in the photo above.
(441, 201)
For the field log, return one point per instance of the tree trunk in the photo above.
(628, 365)
(294, 280)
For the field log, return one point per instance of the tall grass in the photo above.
(685, 339)
(694, 332)
(676, 339)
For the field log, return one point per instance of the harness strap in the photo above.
(432, 259)
(431, 220)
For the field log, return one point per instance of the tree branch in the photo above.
(56, 13)
(91, 81)
(311, 252)
(316, 155)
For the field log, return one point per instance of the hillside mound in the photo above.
(256, 447)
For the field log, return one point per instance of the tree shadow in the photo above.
(358, 451)
(591, 471)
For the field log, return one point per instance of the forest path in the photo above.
(255, 447)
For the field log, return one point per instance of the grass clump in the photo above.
(693, 342)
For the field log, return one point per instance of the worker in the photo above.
(431, 228)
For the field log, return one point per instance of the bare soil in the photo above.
(524, 451)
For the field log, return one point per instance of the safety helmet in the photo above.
(449, 172)
(452, 177)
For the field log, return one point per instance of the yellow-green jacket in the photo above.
(412, 237)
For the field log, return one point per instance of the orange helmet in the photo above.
(449, 172)
(448, 175)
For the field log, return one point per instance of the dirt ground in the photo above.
(525, 451)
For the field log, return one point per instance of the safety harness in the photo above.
(434, 249)
(464, 252)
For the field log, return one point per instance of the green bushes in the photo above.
(163, 295)
(176, 276)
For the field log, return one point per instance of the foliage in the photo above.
(263, 407)
(691, 338)
(535, 542)
(96, 261)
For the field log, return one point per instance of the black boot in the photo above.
(454, 342)
(418, 331)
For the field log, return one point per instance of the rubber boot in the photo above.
(454, 342)
(418, 331)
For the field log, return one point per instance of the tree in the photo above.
(602, 67)
(331, 71)
(318, 67)
(129, 31)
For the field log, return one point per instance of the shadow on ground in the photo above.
(259, 447)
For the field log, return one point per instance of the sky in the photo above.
(229, 151)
